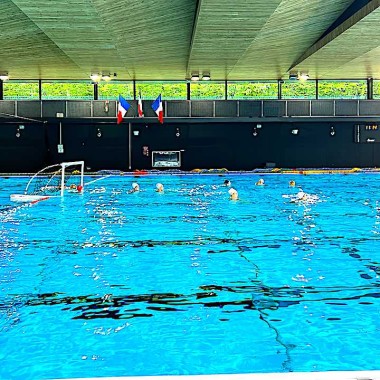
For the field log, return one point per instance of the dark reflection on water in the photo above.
(255, 297)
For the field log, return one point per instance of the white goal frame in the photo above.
(64, 165)
(32, 198)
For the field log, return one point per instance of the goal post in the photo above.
(77, 168)
(53, 181)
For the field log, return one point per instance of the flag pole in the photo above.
(130, 145)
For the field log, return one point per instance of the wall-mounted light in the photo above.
(295, 131)
(332, 131)
(136, 133)
(177, 133)
(99, 133)
(206, 76)
(4, 76)
(259, 126)
(195, 77)
(293, 76)
(254, 133)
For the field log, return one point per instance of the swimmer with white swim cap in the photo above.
(233, 194)
(135, 188)
(301, 196)
(260, 182)
(159, 187)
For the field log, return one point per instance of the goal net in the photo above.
(55, 180)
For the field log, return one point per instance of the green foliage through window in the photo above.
(252, 90)
(66, 91)
(376, 89)
(176, 90)
(298, 89)
(15, 90)
(342, 89)
(207, 90)
(112, 90)
(168, 90)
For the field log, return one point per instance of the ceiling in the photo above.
(171, 39)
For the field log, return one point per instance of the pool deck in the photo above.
(331, 375)
(155, 172)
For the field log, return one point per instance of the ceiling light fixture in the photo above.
(106, 77)
(303, 76)
(4, 76)
(194, 77)
(206, 76)
(95, 77)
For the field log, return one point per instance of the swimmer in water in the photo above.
(233, 194)
(301, 196)
(292, 183)
(304, 198)
(135, 188)
(260, 182)
(160, 188)
(75, 188)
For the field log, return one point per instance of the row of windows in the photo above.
(322, 89)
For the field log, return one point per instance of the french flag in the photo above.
(122, 109)
(157, 108)
(139, 106)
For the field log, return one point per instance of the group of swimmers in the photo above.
(136, 188)
(301, 196)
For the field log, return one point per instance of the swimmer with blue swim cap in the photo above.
(233, 194)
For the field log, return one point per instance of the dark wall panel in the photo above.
(26, 153)
(250, 108)
(50, 108)
(8, 107)
(322, 108)
(147, 108)
(202, 108)
(104, 108)
(369, 107)
(29, 108)
(78, 108)
(219, 144)
(298, 108)
(226, 108)
(346, 108)
(178, 108)
(274, 108)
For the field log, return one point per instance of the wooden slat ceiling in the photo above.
(169, 40)
(350, 51)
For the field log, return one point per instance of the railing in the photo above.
(194, 108)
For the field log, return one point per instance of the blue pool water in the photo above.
(188, 282)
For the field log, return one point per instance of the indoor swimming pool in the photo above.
(187, 281)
